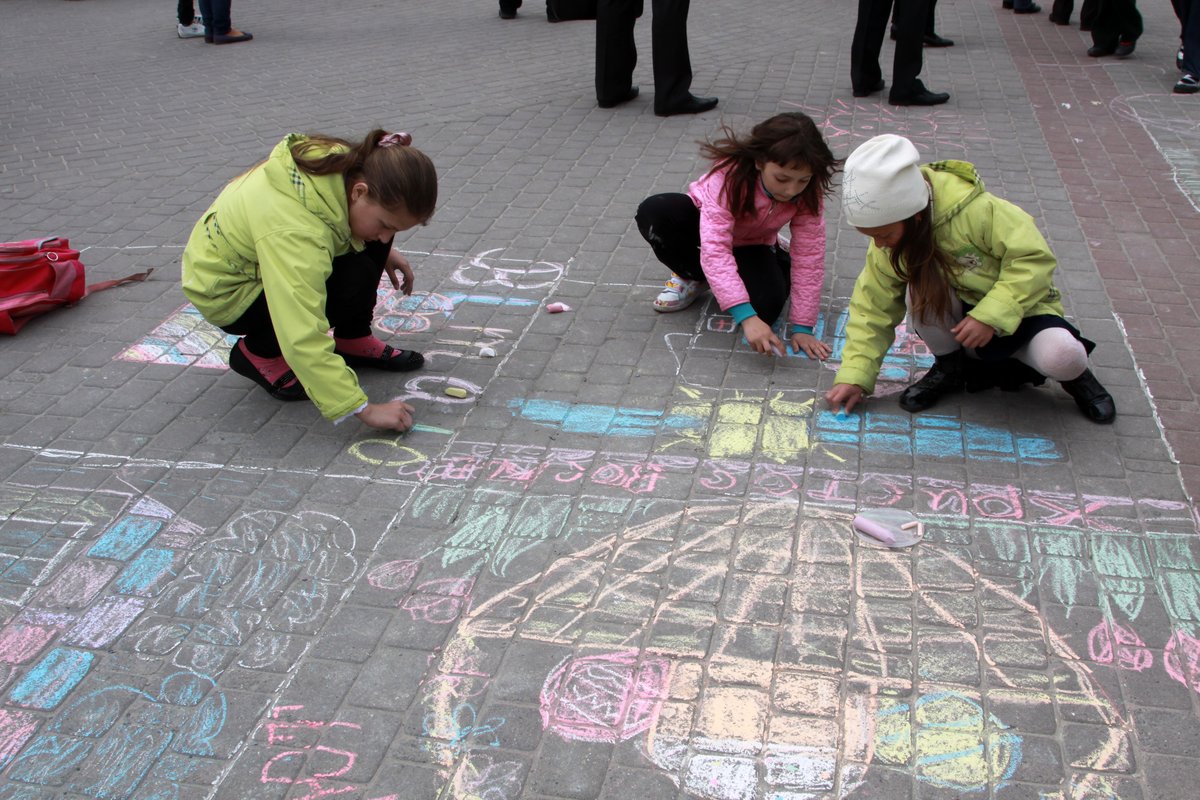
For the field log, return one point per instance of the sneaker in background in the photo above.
(193, 31)
(1188, 84)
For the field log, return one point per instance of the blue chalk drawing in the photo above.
(150, 567)
(928, 435)
(907, 355)
(51, 679)
(602, 420)
(124, 539)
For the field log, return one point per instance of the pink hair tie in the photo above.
(403, 139)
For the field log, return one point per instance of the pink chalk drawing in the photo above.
(394, 576)
(439, 601)
(1110, 643)
(15, 729)
(1181, 659)
(20, 643)
(604, 698)
(288, 732)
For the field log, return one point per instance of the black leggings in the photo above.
(671, 224)
(350, 297)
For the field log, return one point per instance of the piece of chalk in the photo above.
(874, 530)
(778, 352)
(454, 391)
(487, 352)
(557, 308)
(910, 525)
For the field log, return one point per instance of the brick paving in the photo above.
(622, 566)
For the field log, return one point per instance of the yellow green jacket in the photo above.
(277, 229)
(1007, 270)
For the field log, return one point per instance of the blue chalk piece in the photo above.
(145, 571)
(841, 421)
(51, 679)
(125, 538)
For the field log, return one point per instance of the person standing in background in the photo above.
(188, 26)
(616, 56)
(1188, 59)
(866, 77)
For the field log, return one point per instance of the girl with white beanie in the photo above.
(972, 271)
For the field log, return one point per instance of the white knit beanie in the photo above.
(882, 182)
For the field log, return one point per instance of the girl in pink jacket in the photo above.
(724, 233)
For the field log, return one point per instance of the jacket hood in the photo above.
(322, 197)
(955, 184)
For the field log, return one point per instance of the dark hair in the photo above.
(929, 270)
(397, 176)
(787, 139)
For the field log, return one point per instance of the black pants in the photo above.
(186, 12)
(909, 21)
(616, 53)
(350, 296)
(1188, 12)
(1087, 12)
(671, 224)
(1116, 21)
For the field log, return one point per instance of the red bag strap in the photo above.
(102, 285)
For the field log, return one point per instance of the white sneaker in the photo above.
(678, 294)
(193, 31)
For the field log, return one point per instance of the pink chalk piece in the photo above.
(874, 530)
(557, 308)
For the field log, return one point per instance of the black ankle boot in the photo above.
(946, 376)
(1093, 399)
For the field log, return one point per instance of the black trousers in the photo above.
(350, 297)
(671, 224)
(616, 53)
(909, 20)
(1087, 12)
(1188, 12)
(1116, 21)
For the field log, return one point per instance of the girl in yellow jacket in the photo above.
(296, 247)
(973, 272)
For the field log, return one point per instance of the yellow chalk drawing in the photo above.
(785, 425)
(951, 741)
(386, 453)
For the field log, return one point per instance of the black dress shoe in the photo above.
(1060, 20)
(933, 40)
(1096, 51)
(946, 376)
(1092, 398)
(1007, 4)
(632, 93)
(506, 14)
(1124, 49)
(878, 87)
(921, 97)
(693, 105)
(229, 38)
(1032, 8)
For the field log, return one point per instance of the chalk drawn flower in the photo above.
(604, 698)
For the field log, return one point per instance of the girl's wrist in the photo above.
(808, 329)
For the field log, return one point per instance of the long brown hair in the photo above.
(786, 139)
(397, 176)
(930, 271)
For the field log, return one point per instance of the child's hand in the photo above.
(761, 337)
(843, 397)
(811, 345)
(970, 332)
(393, 416)
(395, 262)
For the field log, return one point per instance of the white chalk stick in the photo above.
(874, 530)
(487, 352)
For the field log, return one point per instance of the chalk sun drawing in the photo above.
(798, 707)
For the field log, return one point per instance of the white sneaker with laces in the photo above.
(193, 31)
(678, 294)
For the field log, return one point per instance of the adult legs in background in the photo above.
(669, 52)
(865, 74)
(909, 19)
(616, 52)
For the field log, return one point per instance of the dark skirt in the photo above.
(996, 367)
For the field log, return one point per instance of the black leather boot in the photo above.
(946, 376)
(1093, 399)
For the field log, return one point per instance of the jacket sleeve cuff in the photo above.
(347, 415)
(742, 312)
(794, 329)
